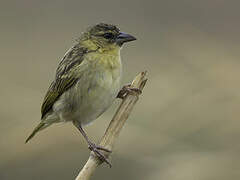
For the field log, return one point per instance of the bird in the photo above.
(87, 80)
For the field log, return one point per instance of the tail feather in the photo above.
(40, 127)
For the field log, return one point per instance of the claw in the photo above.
(128, 90)
(97, 150)
(103, 149)
(93, 147)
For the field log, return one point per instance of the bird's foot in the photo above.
(127, 89)
(97, 150)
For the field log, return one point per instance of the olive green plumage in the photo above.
(87, 79)
(66, 76)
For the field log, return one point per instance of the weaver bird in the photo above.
(87, 81)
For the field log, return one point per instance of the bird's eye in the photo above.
(108, 36)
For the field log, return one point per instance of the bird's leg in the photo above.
(127, 89)
(92, 146)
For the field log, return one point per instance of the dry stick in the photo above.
(114, 127)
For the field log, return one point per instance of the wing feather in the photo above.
(65, 77)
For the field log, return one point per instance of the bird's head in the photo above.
(105, 36)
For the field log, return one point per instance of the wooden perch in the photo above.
(114, 127)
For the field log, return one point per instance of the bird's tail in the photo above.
(42, 125)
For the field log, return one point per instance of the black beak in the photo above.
(123, 38)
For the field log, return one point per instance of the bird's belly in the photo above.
(88, 99)
(93, 105)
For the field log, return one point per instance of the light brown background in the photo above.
(185, 126)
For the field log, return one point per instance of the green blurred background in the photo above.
(184, 127)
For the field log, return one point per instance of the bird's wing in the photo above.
(66, 77)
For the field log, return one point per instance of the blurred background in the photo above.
(186, 124)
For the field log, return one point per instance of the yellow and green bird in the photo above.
(87, 81)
